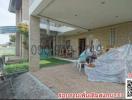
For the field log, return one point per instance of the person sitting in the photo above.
(94, 56)
(86, 53)
(91, 57)
(91, 53)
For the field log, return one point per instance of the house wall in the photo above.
(121, 34)
(74, 41)
(18, 35)
(22, 15)
(25, 10)
(25, 18)
(103, 35)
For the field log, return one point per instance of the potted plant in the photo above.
(23, 29)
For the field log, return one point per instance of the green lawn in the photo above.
(52, 62)
(7, 51)
(49, 62)
(11, 68)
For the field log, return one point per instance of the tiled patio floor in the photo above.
(66, 78)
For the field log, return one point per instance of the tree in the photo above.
(12, 38)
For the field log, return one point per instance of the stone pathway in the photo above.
(67, 79)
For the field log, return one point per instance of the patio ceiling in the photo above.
(85, 14)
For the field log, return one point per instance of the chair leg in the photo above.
(77, 64)
(80, 67)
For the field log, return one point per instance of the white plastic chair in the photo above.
(79, 65)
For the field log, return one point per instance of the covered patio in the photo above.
(81, 17)
(59, 31)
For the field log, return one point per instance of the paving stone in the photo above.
(67, 79)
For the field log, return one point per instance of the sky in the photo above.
(6, 19)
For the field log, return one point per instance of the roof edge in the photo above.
(14, 5)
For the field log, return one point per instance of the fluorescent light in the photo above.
(61, 29)
(66, 29)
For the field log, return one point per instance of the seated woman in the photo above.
(91, 59)
(85, 55)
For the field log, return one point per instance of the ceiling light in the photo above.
(117, 16)
(75, 15)
(103, 2)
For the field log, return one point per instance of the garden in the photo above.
(23, 66)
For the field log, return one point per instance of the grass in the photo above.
(49, 62)
(11, 68)
(7, 51)
(23, 66)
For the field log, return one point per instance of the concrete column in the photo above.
(18, 47)
(54, 46)
(34, 42)
(24, 50)
(25, 18)
(18, 35)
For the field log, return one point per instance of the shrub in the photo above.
(12, 68)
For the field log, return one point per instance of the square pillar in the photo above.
(18, 35)
(34, 43)
(18, 44)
